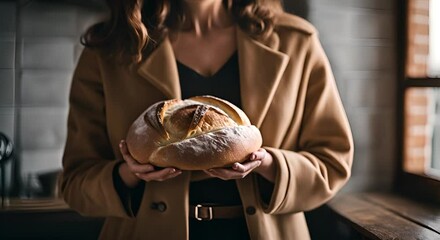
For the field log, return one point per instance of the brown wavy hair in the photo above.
(135, 27)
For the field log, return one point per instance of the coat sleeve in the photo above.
(87, 183)
(321, 162)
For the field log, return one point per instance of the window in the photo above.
(419, 99)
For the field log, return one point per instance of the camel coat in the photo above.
(288, 92)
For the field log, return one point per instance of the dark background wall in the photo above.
(359, 38)
(39, 47)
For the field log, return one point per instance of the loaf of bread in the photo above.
(194, 134)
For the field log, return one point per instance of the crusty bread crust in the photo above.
(195, 134)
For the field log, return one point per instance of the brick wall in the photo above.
(418, 38)
(417, 132)
(418, 101)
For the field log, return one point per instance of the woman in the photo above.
(249, 52)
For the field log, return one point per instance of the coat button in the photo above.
(250, 210)
(159, 206)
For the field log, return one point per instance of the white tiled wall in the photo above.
(7, 66)
(7, 87)
(7, 51)
(358, 37)
(39, 47)
(7, 74)
(36, 83)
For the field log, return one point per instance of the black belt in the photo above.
(210, 212)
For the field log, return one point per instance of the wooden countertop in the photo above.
(34, 205)
(388, 216)
(45, 219)
(372, 215)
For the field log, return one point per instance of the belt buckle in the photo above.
(196, 213)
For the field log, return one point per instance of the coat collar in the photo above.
(160, 69)
(261, 68)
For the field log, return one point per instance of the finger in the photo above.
(141, 168)
(123, 149)
(125, 154)
(247, 166)
(134, 166)
(226, 173)
(164, 174)
(260, 154)
(160, 175)
(219, 174)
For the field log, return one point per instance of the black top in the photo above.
(225, 84)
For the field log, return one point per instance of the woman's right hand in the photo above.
(132, 172)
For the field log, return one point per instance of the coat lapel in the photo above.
(160, 69)
(261, 68)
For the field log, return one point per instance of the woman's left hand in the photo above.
(259, 161)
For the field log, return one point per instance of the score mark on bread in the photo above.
(194, 134)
